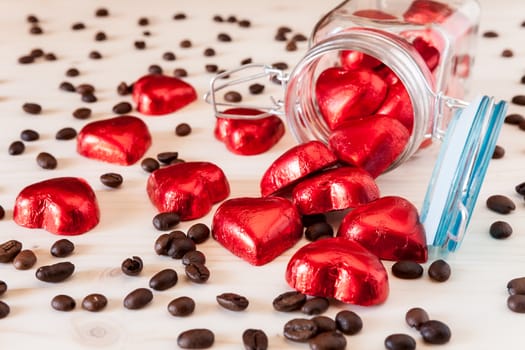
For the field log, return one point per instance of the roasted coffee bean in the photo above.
(166, 221)
(46, 161)
(72, 72)
(82, 113)
(498, 153)
(62, 248)
(197, 338)
(2, 212)
(224, 37)
(315, 306)
(348, 322)
(194, 257)
(507, 53)
(181, 306)
(280, 36)
(85, 89)
(291, 46)
(211, 68)
(4, 309)
(50, 56)
(3, 287)
(94, 302)
(138, 299)
(256, 89)
(143, 21)
(16, 148)
(406, 269)
(177, 161)
(197, 273)
(415, 317)
(112, 180)
(32, 19)
(232, 301)
(400, 341)
(231, 19)
(490, 34)
(299, 329)
(519, 100)
(439, 271)
(35, 29)
(522, 81)
(89, 98)
(124, 89)
(328, 341)
(29, 135)
(254, 339)
(280, 65)
(182, 129)
(324, 324)
(516, 303)
(155, 69)
(185, 43)
(289, 301)
(180, 72)
(208, 52)
(78, 26)
(122, 108)
(500, 204)
(65, 134)
(95, 55)
(199, 233)
(164, 279)
(24, 260)
(244, 23)
(317, 230)
(500, 230)
(167, 157)
(66, 86)
(146, 33)
(32, 108)
(233, 96)
(299, 37)
(308, 220)
(436, 332)
(149, 164)
(26, 59)
(218, 18)
(55, 273)
(247, 60)
(168, 56)
(102, 12)
(8, 250)
(132, 266)
(164, 241)
(516, 286)
(180, 246)
(37, 53)
(520, 188)
(63, 302)
(514, 119)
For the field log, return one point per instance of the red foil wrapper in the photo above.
(427, 11)
(397, 105)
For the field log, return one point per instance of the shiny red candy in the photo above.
(158, 94)
(63, 205)
(248, 136)
(341, 269)
(294, 164)
(189, 189)
(335, 189)
(348, 94)
(355, 60)
(257, 229)
(372, 143)
(397, 105)
(389, 227)
(120, 140)
(427, 51)
(427, 11)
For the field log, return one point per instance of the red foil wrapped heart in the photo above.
(397, 105)
(158, 94)
(340, 269)
(347, 94)
(189, 189)
(120, 140)
(294, 164)
(427, 11)
(335, 189)
(257, 229)
(248, 136)
(389, 227)
(351, 59)
(63, 205)
(427, 51)
(372, 143)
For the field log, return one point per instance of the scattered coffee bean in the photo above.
(46, 161)
(94, 302)
(197, 273)
(415, 317)
(520, 188)
(143, 21)
(400, 341)
(95, 55)
(507, 53)
(500, 230)
(289, 301)
(3, 287)
(246, 61)
(82, 113)
(50, 56)
(35, 29)
(211, 68)
(4, 309)
(66, 86)
(516, 286)
(231, 19)
(139, 44)
(65, 134)
(516, 303)
(138, 299)
(89, 98)
(163, 242)
(72, 72)
(181, 306)
(232, 301)
(63, 302)
(36, 53)
(155, 69)
(436, 332)
(166, 221)
(519, 100)
(62, 248)
(439, 271)
(280, 65)
(490, 34)
(279, 36)
(499, 152)
(194, 257)
(500, 204)
(9, 249)
(16, 148)
(245, 23)
(26, 59)
(348, 322)
(406, 269)
(522, 81)
(179, 16)
(291, 46)
(85, 89)
(254, 339)
(299, 330)
(233, 96)
(318, 230)
(24, 260)
(256, 89)
(132, 266)
(208, 52)
(146, 33)
(124, 89)
(168, 56)
(328, 341)
(218, 18)
(315, 306)
(32, 19)
(32, 108)
(180, 73)
(185, 43)
(102, 12)
(122, 108)
(197, 338)
(167, 157)
(100, 36)
(78, 26)
(182, 129)
(299, 37)
(199, 233)
(149, 164)
(224, 37)
(164, 279)
(2, 212)
(112, 180)
(29, 135)
(55, 273)
(324, 324)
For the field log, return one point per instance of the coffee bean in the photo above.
(291, 46)
(132, 266)
(520, 188)
(490, 34)
(143, 21)
(89, 98)
(522, 81)
(46, 161)
(507, 53)
(179, 16)
(102, 12)
(16, 148)
(247, 60)
(124, 89)
(2, 212)
(63, 302)
(197, 273)
(32, 19)
(328, 341)
(519, 100)
(168, 56)
(3, 287)
(65, 134)
(211, 68)
(280, 36)
(232, 301)
(85, 89)
(218, 18)
(500, 230)
(55, 273)
(185, 43)
(500, 204)
(178, 247)
(406, 269)
(181, 306)
(35, 29)
(4, 309)
(155, 69)
(32, 108)
(308, 220)
(256, 89)
(317, 230)
(112, 180)
(289, 301)
(436, 332)
(166, 221)
(167, 157)
(224, 37)
(233, 96)
(182, 129)
(62, 248)
(122, 108)
(138, 299)
(94, 302)
(245, 23)
(516, 303)
(516, 286)
(231, 19)
(254, 339)
(315, 306)
(299, 330)
(415, 317)
(66, 86)
(208, 52)
(149, 164)
(348, 322)
(24, 260)
(82, 113)
(95, 55)
(280, 65)
(50, 56)
(499, 152)
(199, 233)
(164, 241)
(78, 26)
(197, 338)
(29, 135)
(324, 324)
(194, 257)
(299, 37)
(164, 279)
(26, 59)
(439, 271)
(400, 341)
(9, 249)
(72, 72)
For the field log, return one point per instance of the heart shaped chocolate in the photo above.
(389, 227)
(346, 94)
(335, 189)
(63, 205)
(158, 94)
(257, 229)
(427, 51)
(397, 105)
(427, 11)
(189, 189)
(340, 269)
(351, 59)
(372, 143)
(120, 140)
(248, 136)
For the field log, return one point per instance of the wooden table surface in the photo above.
(472, 302)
